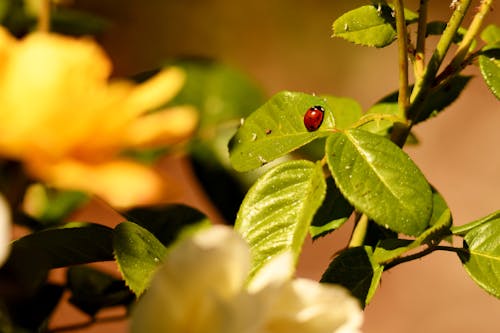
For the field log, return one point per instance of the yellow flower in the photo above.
(201, 288)
(68, 123)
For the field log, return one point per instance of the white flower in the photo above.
(201, 288)
(4, 230)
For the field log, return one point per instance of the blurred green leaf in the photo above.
(76, 22)
(380, 180)
(355, 269)
(93, 290)
(138, 254)
(220, 93)
(482, 256)
(276, 128)
(20, 19)
(276, 213)
(51, 206)
(334, 212)
(491, 34)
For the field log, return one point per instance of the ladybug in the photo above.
(314, 117)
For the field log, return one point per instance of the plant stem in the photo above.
(403, 97)
(359, 233)
(419, 65)
(421, 254)
(464, 47)
(44, 16)
(419, 92)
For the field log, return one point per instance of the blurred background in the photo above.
(287, 45)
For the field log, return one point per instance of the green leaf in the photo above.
(366, 26)
(346, 111)
(381, 117)
(138, 254)
(482, 256)
(355, 269)
(462, 230)
(491, 34)
(276, 128)
(490, 70)
(168, 222)
(334, 212)
(277, 211)
(93, 290)
(380, 180)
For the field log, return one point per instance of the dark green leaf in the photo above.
(93, 290)
(442, 97)
(33, 255)
(167, 222)
(380, 180)
(276, 128)
(32, 314)
(355, 269)
(482, 256)
(334, 212)
(277, 211)
(138, 254)
(366, 25)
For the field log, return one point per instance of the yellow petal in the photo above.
(121, 183)
(163, 127)
(52, 89)
(156, 91)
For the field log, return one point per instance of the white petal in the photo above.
(4, 230)
(307, 306)
(276, 271)
(192, 289)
